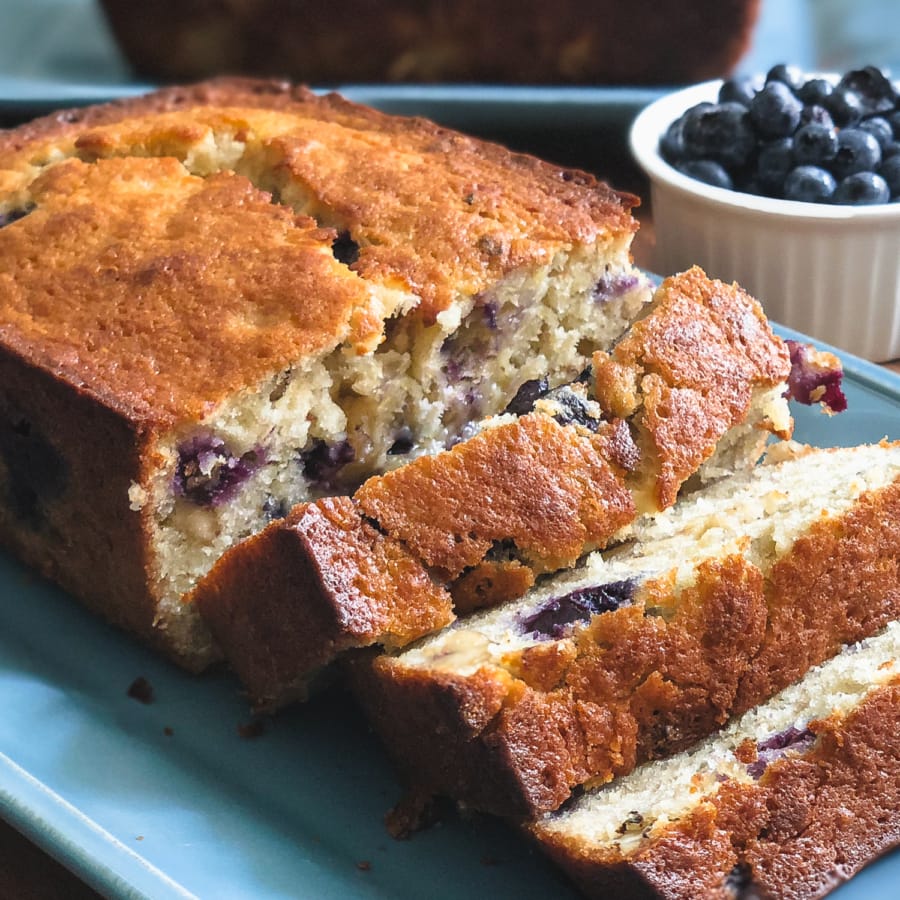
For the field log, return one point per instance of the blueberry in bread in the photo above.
(700, 380)
(708, 609)
(219, 301)
(789, 800)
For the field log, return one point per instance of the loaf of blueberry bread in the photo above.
(219, 301)
(788, 801)
(700, 382)
(708, 609)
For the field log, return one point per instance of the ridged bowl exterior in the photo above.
(830, 271)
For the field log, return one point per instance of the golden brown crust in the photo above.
(548, 488)
(285, 602)
(490, 584)
(811, 822)
(408, 40)
(436, 213)
(637, 685)
(686, 373)
(178, 290)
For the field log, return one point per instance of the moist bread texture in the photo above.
(788, 801)
(219, 301)
(711, 608)
(532, 494)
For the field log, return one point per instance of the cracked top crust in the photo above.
(164, 202)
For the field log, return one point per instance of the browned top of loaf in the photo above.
(547, 487)
(191, 262)
(286, 601)
(688, 372)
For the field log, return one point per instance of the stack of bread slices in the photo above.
(298, 384)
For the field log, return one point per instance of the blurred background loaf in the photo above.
(478, 41)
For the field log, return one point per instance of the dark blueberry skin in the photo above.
(893, 119)
(857, 151)
(809, 384)
(345, 249)
(723, 134)
(740, 89)
(403, 443)
(208, 473)
(873, 87)
(775, 160)
(787, 75)
(816, 115)
(527, 395)
(671, 144)
(778, 745)
(890, 172)
(555, 619)
(708, 171)
(809, 184)
(815, 91)
(322, 463)
(573, 409)
(845, 107)
(775, 110)
(815, 145)
(862, 189)
(13, 215)
(880, 129)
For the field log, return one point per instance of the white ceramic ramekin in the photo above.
(830, 271)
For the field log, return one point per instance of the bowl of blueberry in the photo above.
(789, 184)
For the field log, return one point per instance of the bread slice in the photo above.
(711, 608)
(219, 301)
(789, 800)
(528, 494)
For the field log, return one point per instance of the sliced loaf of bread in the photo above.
(788, 801)
(709, 609)
(701, 379)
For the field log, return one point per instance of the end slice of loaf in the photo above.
(530, 495)
(714, 606)
(789, 800)
(222, 300)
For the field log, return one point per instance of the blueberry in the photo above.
(555, 617)
(527, 395)
(775, 160)
(322, 463)
(809, 382)
(721, 133)
(817, 115)
(775, 111)
(809, 184)
(787, 75)
(845, 106)
(892, 149)
(671, 144)
(208, 473)
(890, 172)
(879, 128)
(740, 89)
(612, 286)
(815, 91)
(707, 171)
(14, 215)
(862, 189)
(857, 151)
(873, 87)
(794, 739)
(573, 409)
(815, 145)
(345, 249)
(893, 119)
